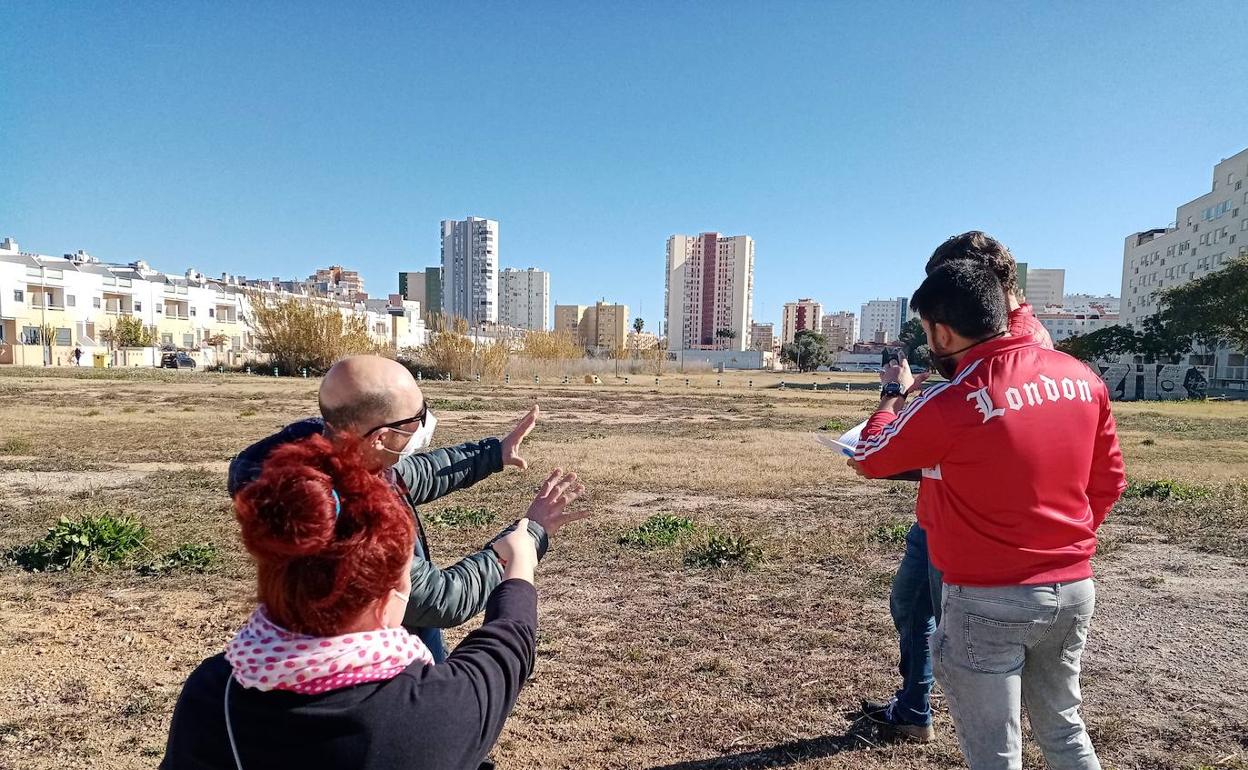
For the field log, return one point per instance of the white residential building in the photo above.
(1066, 323)
(1106, 303)
(470, 269)
(803, 315)
(710, 291)
(1045, 287)
(1206, 234)
(883, 318)
(51, 305)
(524, 299)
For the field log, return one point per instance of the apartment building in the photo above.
(882, 319)
(603, 325)
(1045, 287)
(1066, 323)
(470, 270)
(339, 283)
(709, 291)
(425, 287)
(51, 305)
(524, 299)
(840, 329)
(802, 315)
(568, 320)
(763, 337)
(1207, 233)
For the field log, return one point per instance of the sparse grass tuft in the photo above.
(892, 534)
(717, 550)
(460, 516)
(1166, 489)
(16, 445)
(248, 412)
(188, 557)
(661, 530)
(835, 425)
(89, 541)
(92, 413)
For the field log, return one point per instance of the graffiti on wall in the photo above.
(1152, 382)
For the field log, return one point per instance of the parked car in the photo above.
(176, 361)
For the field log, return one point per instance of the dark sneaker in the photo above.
(880, 715)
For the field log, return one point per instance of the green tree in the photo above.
(808, 351)
(128, 332)
(639, 324)
(1107, 342)
(1211, 310)
(914, 340)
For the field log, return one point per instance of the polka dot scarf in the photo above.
(267, 657)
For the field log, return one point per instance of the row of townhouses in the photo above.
(52, 306)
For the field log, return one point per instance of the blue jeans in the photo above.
(432, 637)
(915, 606)
(999, 650)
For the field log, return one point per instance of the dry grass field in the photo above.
(646, 659)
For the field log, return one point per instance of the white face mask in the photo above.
(417, 440)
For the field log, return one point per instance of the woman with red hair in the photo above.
(323, 675)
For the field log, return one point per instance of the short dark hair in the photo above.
(966, 296)
(358, 413)
(981, 247)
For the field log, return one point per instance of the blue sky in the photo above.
(848, 140)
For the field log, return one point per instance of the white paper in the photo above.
(846, 443)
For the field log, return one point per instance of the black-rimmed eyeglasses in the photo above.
(420, 417)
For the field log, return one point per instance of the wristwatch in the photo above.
(892, 390)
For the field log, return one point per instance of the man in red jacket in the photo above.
(1020, 466)
(914, 600)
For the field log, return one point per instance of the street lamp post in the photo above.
(43, 307)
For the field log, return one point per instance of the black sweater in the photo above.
(442, 717)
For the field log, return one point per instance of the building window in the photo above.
(188, 340)
(166, 339)
(192, 312)
(71, 300)
(19, 295)
(138, 306)
(211, 312)
(95, 302)
(160, 308)
(64, 337)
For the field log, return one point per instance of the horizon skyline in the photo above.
(229, 136)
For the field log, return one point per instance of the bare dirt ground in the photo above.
(644, 662)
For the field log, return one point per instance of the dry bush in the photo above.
(451, 351)
(550, 346)
(297, 332)
(494, 359)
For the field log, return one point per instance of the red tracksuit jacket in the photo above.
(1020, 464)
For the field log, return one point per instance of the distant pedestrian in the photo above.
(77, 356)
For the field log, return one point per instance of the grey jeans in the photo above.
(999, 649)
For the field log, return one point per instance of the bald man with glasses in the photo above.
(378, 400)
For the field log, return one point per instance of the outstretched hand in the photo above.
(557, 492)
(511, 444)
